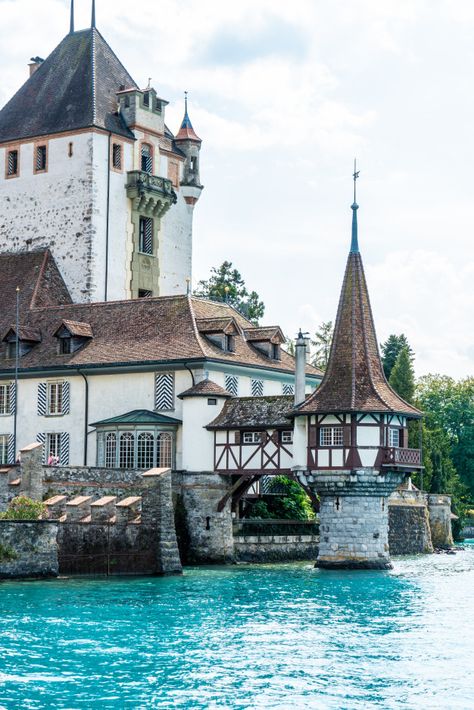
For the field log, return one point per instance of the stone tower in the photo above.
(356, 434)
(92, 172)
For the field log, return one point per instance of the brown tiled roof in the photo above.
(77, 329)
(272, 333)
(217, 325)
(254, 413)
(24, 333)
(205, 388)
(354, 380)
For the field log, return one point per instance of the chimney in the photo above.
(35, 63)
(300, 368)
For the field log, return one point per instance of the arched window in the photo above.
(145, 450)
(147, 158)
(164, 452)
(110, 450)
(127, 450)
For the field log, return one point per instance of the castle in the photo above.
(115, 369)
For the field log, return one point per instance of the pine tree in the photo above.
(390, 351)
(322, 345)
(402, 377)
(226, 284)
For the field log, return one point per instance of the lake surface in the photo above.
(277, 636)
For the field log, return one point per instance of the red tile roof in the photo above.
(205, 388)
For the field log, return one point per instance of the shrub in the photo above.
(7, 554)
(23, 508)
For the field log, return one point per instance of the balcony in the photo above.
(401, 458)
(150, 194)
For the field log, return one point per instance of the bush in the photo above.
(293, 504)
(23, 508)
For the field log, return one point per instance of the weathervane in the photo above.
(355, 175)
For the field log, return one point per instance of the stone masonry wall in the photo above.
(28, 549)
(439, 507)
(275, 548)
(409, 530)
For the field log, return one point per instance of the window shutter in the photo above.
(237, 437)
(402, 438)
(347, 436)
(12, 388)
(42, 399)
(232, 384)
(64, 449)
(257, 388)
(41, 439)
(164, 391)
(66, 397)
(11, 449)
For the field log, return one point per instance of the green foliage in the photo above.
(402, 376)
(290, 346)
(7, 554)
(322, 345)
(23, 508)
(390, 351)
(294, 504)
(226, 284)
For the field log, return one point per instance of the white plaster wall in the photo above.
(54, 209)
(337, 457)
(198, 442)
(368, 436)
(175, 248)
(368, 456)
(300, 442)
(323, 457)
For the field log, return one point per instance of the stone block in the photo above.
(103, 510)
(78, 508)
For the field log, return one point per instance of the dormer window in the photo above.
(276, 354)
(221, 332)
(266, 340)
(230, 343)
(27, 339)
(72, 335)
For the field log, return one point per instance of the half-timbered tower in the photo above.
(357, 438)
(92, 172)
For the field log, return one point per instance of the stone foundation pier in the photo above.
(353, 517)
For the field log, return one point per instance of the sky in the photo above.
(284, 96)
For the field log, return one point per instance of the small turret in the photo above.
(190, 144)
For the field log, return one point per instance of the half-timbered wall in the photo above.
(268, 452)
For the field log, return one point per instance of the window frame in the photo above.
(151, 157)
(116, 145)
(4, 440)
(142, 236)
(38, 147)
(56, 401)
(331, 441)
(8, 151)
(391, 432)
(251, 437)
(286, 436)
(6, 399)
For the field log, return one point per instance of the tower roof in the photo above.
(186, 131)
(354, 380)
(75, 87)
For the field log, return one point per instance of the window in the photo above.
(117, 156)
(286, 437)
(194, 164)
(41, 158)
(147, 158)
(331, 436)
(146, 99)
(145, 245)
(164, 391)
(53, 447)
(3, 448)
(127, 450)
(55, 398)
(11, 349)
(394, 437)
(257, 388)
(64, 346)
(164, 450)
(158, 106)
(12, 163)
(145, 449)
(275, 351)
(5, 399)
(143, 293)
(288, 388)
(232, 384)
(251, 437)
(230, 343)
(212, 401)
(70, 150)
(110, 450)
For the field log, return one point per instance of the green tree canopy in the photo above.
(402, 376)
(226, 284)
(322, 345)
(390, 351)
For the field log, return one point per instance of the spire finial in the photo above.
(71, 25)
(93, 14)
(355, 207)
(186, 102)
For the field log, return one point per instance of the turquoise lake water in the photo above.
(278, 636)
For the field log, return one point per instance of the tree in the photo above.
(226, 284)
(390, 351)
(402, 376)
(322, 345)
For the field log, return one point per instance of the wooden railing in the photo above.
(401, 457)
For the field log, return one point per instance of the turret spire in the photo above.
(354, 208)
(93, 14)
(71, 25)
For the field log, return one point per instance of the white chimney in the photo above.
(300, 368)
(36, 62)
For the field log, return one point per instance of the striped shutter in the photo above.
(41, 439)
(12, 387)
(11, 449)
(64, 449)
(42, 398)
(257, 388)
(164, 391)
(288, 388)
(232, 384)
(66, 404)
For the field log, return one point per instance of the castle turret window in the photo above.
(146, 99)
(12, 163)
(146, 235)
(147, 158)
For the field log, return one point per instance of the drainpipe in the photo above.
(300, 369)
(86, 413)
(106, 285)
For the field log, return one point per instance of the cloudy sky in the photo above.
(284, 95)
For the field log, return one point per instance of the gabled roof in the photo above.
(25, 334)
(76, 329)
(205, 388)
(139, 416)
(273, 334)
(217, 325)
(354, 380)
(254, 413)
(75, 87)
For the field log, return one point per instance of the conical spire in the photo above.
(186, 131)
(354, 380)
